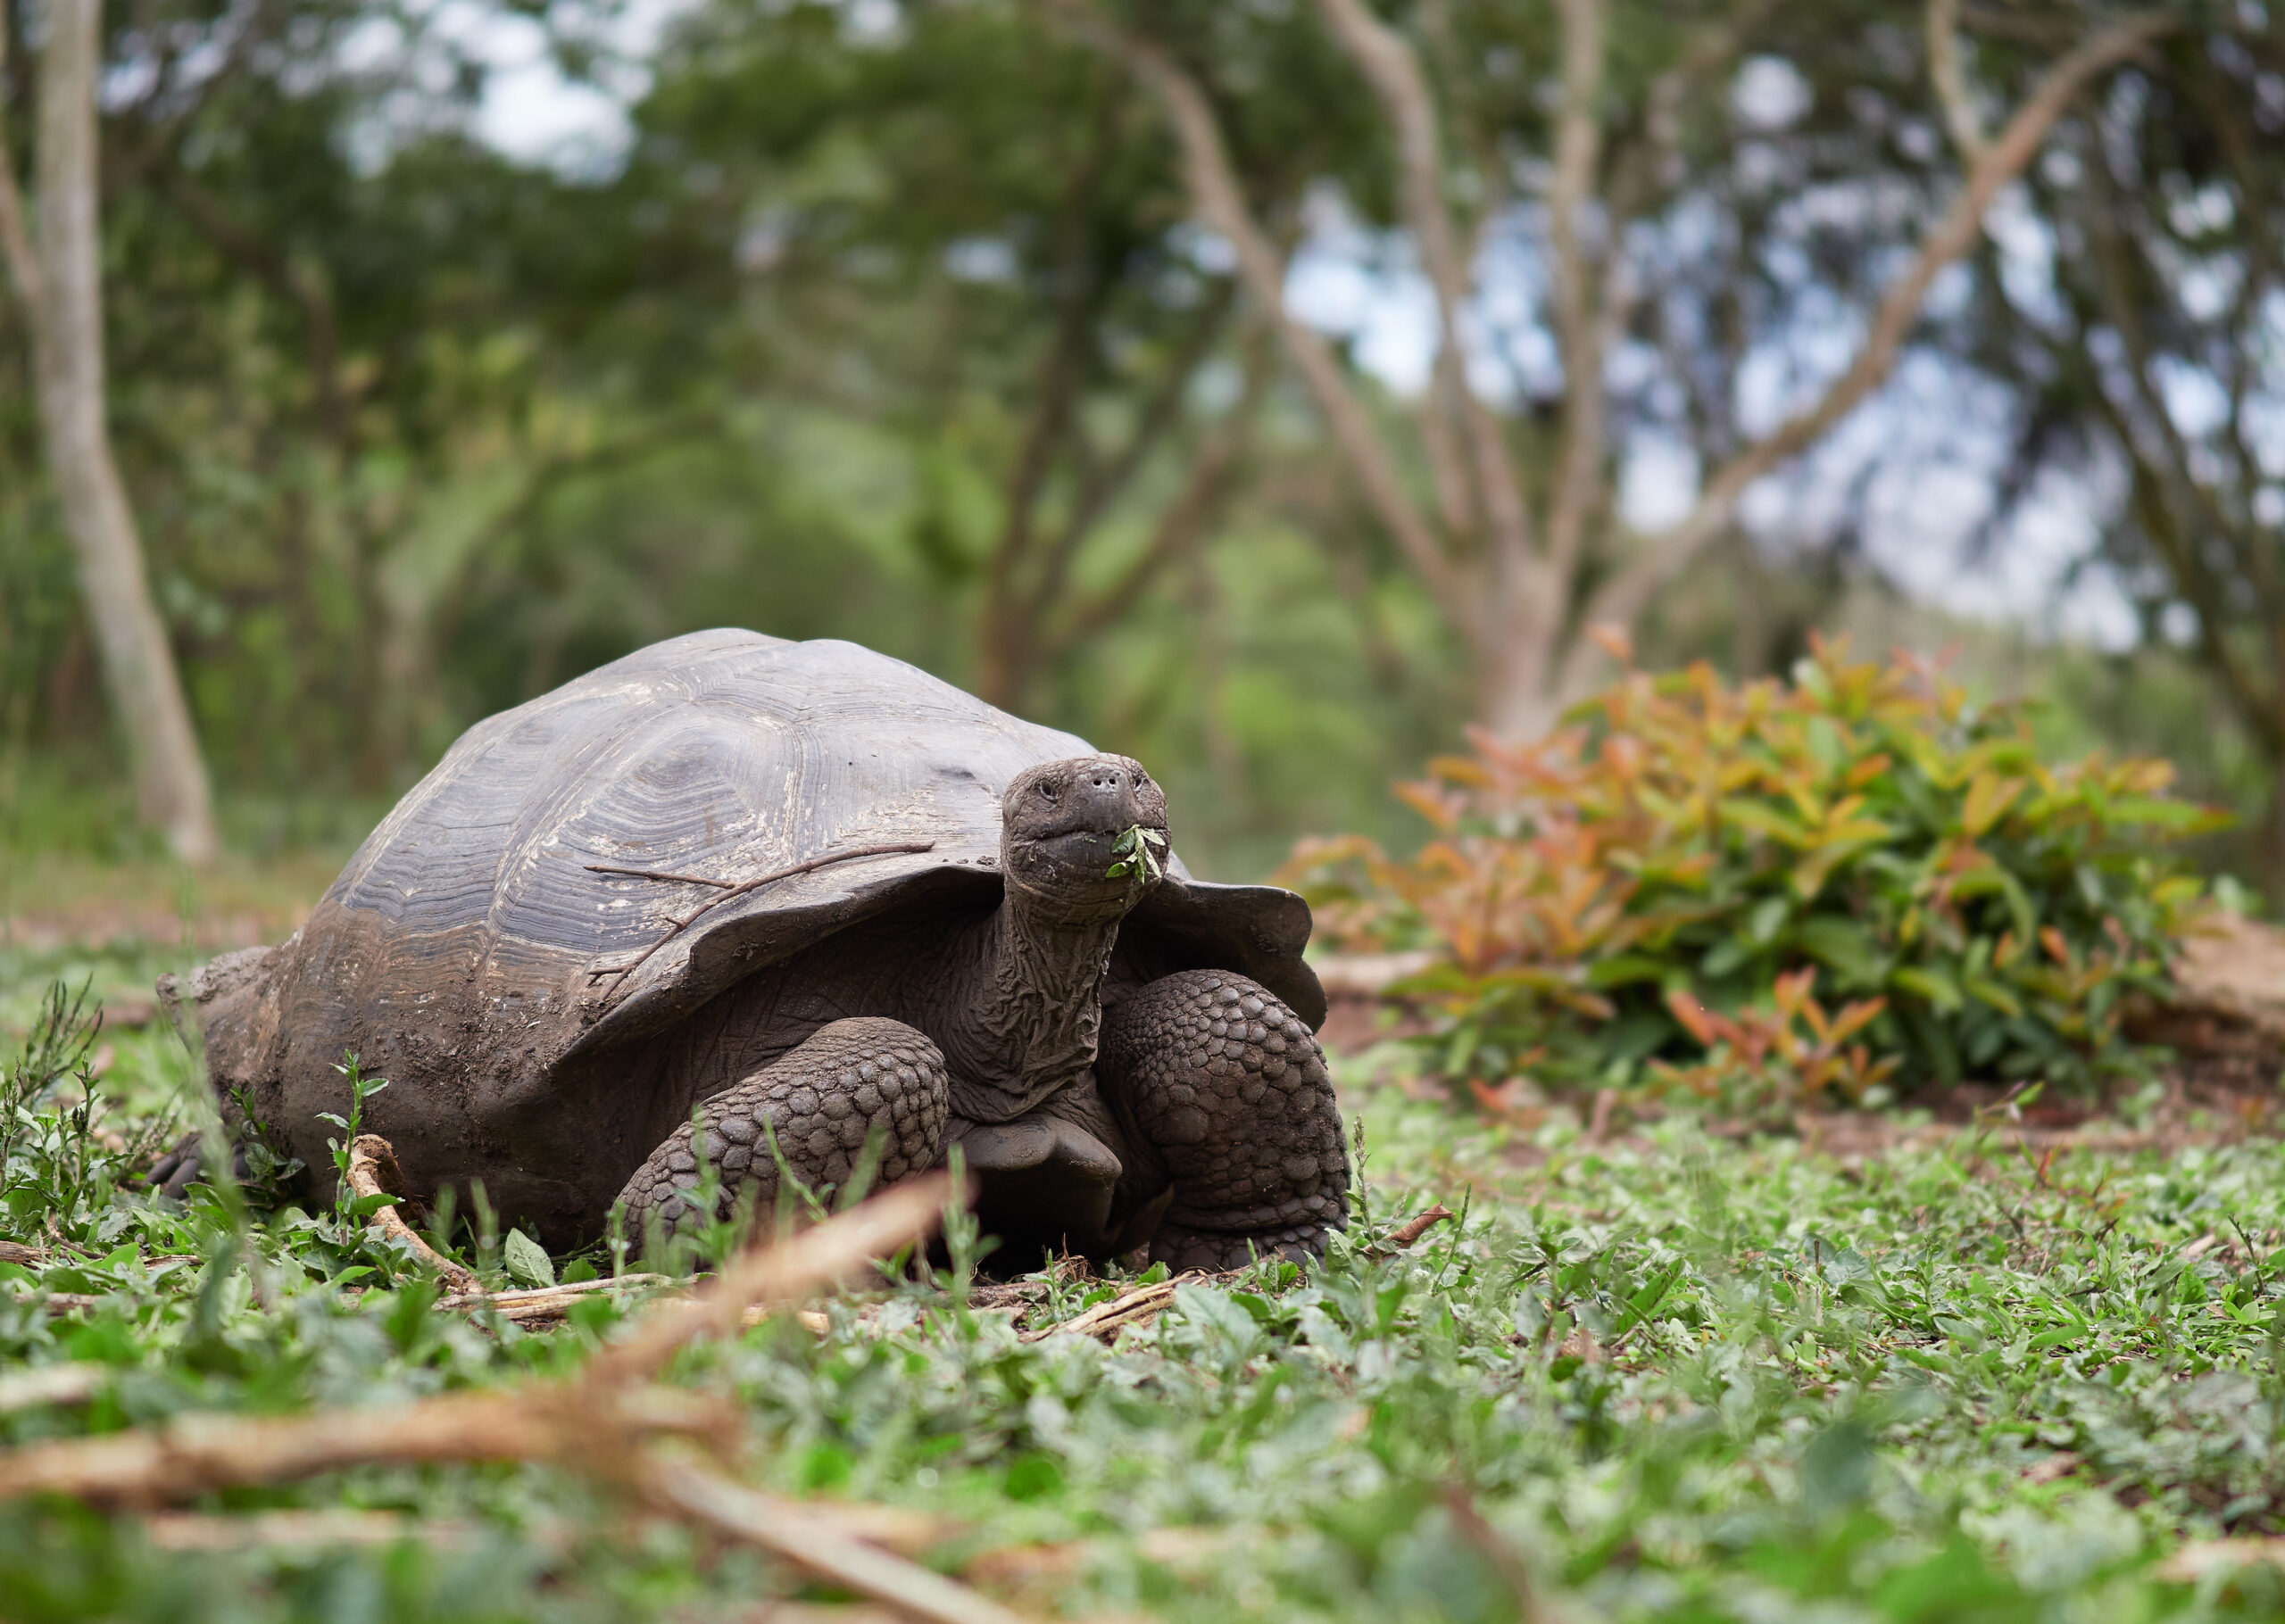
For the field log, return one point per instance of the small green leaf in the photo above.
(1137, 852)
(527, 1262)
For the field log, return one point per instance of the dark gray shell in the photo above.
(467, 932)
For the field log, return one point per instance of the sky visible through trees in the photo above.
(1927, 431)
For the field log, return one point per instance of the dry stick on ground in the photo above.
(599, 1422)
(74, 1383)
(1137, 1306)
(1599, 1121)
(301, 1530)
(807, 1536)
(546, 1305)
(373, 1172)
(676, 927)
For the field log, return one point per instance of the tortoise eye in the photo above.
(1047, 790)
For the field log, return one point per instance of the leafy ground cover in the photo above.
(1671, 1377)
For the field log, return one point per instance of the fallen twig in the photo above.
(299, 1530)
(544, 1304)
(1137, 1307)
(16, 1252)
(53, 1384)
(810, 1535)
(658, 873)
(817, 1256)
(373, 1172)
(2201, 1559)
(196, 1454)
(66, 1301)
(726, 892)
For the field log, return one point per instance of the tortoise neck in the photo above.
(1028, 1007)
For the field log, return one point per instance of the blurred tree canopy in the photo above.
(2152, 357)
(899, 322)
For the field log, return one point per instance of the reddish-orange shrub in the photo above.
(1668, 874)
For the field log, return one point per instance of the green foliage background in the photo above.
(414, 431)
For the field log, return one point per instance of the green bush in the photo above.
(1686, 875)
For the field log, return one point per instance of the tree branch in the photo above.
(1578, 326)
(1185, 522)
(1103, 486)
(1949, 77)
(1627, 592)
(2180, 495)
(1654, 160)
(2259, 276)
(23, 264)
(1390, 68)
(1221, 204)
(270, 266)
(1005, 634)
(1710, 51)
(2115, 297)
(2204, 594)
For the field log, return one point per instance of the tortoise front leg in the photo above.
(819, 1101)
(1229, 1114)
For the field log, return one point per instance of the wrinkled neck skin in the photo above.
(1027, 1000)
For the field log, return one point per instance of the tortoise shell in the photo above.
(472, 938)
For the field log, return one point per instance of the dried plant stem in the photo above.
(810, 1536)
(197, 1454)
(546, 1305)
(726, 892)
(373, 1172)
(1138, 1308)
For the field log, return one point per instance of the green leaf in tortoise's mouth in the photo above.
(1139, 853)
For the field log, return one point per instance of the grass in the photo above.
(1675, 1378)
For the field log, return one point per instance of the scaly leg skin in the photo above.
(1229, 1111)
(819, 1100)
(185, 1165)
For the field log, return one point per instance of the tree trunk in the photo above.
(1005, 654)
(1517, 650)
(170, 787)
(2269, 837)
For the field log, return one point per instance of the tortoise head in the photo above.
(1084, 839)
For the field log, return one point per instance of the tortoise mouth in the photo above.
(1083, 848)
(1086, 872)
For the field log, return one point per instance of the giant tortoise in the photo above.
(762, 903)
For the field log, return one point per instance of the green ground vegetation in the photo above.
(1671, 1377)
